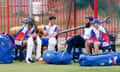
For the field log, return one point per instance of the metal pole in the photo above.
(17, 12)
(75, 19)
(95, 8)
(30, 8)
(8, 20)
(72, 29)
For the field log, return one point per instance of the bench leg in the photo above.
(21, 54)
(16, 52)
(113, 48)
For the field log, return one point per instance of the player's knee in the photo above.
(39, 42)
(88, 42)
(30, 41)
(52, 41)
(96, 43)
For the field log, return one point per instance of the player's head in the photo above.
(89, 19)
(52, 19)
(96, 23)
(31, 23)
(26, 20)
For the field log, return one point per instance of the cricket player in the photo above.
(34, 42)
(78, 40)
(23, 34)
(50, 34)
(99, 37)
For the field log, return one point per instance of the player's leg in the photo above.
(30, 46)
(75, 41)
(38, 50)
(69, 45)
(51, 43)
(96, 47)
(88, 43)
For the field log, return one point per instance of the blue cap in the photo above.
(89, 17)
(26, 20)
(96, 21)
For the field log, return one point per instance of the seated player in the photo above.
(50, 34)
(32, 43)
(99, 38)
(77, 40)
(27, 30)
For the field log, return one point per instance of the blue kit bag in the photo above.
(117, 59)
(96, 60)
(6, 48)
(52, 57)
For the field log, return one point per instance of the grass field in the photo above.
(42, 67)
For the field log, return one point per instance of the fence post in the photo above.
(95, 8)
(75, 19)
(30, 8)
(17, 11)
(8, 16)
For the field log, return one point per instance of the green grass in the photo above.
(42, 67)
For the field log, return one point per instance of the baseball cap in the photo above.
(96, 21)
(89, 17)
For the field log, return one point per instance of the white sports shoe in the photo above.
(28, 62)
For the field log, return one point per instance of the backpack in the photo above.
(7, 46)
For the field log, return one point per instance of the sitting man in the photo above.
(79, 41)
(99, 38)
(47, 38)
(50, 34)
(34, 42)
(27, 30)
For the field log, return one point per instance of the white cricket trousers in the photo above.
(52, 43)
(31, 45)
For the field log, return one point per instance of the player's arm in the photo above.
(21, 34)
(46, 30)
(105, 34)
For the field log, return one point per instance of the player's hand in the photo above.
(34, 35)
(24, 42)
(29, 34)
(49, 24)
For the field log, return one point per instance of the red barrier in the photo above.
(13, 11)
(95, 8)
